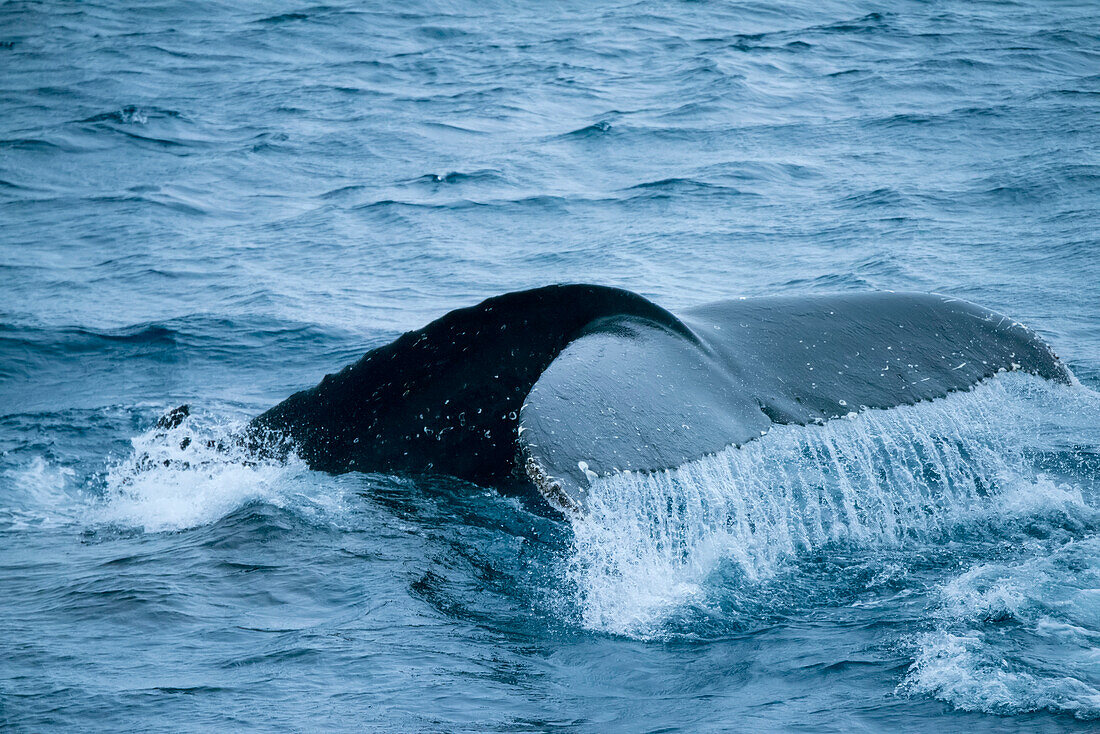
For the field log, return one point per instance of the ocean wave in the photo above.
(668, 188)
(192, 329)
(589, 131)
(283, 18)
(133, 115)
(1017, 637)
(38, 494)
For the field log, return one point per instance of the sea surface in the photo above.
(217, 203)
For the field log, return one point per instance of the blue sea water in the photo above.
(217, 203)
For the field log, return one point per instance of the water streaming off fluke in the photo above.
(878, 478)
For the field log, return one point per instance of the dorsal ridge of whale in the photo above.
(561, 384)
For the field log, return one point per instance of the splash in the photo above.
(1017, 637)
(194, 474)
(38, 494)
(893, 478)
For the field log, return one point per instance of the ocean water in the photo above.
(218, 203)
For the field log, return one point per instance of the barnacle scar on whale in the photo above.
(562, 384)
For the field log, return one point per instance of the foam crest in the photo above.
(879, 478)
(191, 475)
(37, 494)
(1018, 637)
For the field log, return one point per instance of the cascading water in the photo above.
(879, 478)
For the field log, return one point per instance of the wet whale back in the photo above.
(561, 383)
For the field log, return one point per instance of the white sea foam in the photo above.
(193, 475)
(38, 494)
(881, 478)
(1017, 637)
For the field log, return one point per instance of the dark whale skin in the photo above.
(446, 398)
(561, 383)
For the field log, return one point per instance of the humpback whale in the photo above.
(561, 384)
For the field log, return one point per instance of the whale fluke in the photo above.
(563, 383)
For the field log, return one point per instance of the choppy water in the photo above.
(218, 203)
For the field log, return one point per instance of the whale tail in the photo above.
(562, 384)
